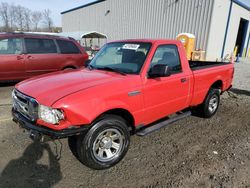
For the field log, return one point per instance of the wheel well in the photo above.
(217, 85)
(69, 67)
(126, 115)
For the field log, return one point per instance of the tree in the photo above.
(16, 17)
(47, 20)
(12, 17)
(27, 19)
(20, 17)
(36, 18)
(4, 15)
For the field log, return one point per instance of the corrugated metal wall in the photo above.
(144, 19)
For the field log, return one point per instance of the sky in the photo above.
(58, 6)
(246, 2)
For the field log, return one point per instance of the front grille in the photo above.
(25, 105)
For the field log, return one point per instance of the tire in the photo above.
(211, 104)
(105, 144)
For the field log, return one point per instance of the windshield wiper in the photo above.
(112, 69)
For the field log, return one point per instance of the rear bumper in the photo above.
(38, 129)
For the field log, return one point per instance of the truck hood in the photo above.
(49, 88)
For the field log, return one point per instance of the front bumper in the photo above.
(38, 129)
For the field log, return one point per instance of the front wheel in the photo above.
(211, 104)
(105, 144)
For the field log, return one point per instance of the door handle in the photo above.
(30, 57)
(19, 57)
(183, 80)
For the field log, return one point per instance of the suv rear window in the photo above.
(40, 46)
(67, 47)
(11, 46)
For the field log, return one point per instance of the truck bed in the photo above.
(197, 65)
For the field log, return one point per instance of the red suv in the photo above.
(24, 55)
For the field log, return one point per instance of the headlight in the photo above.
(50, 115)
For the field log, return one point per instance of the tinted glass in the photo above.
(169, 55)
(11, 46)
(126, 57)
(67, 47)
(40, 46)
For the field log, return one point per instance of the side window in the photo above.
(11, 46)
(169, 55)
(67, 47)
(40, 46)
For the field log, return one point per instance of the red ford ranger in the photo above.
(130, 86)
(24, 55)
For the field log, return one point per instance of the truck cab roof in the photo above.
(166, 41)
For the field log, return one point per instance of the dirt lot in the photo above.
(193, 152)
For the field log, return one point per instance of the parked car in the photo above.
(130, 86)
(25, 55)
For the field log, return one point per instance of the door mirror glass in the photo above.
(159, 70)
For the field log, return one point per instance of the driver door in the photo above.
(166, 95)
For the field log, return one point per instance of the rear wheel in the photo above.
(105, 144)
(211, 104)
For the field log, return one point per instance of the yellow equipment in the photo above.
(188, 41)
(198, 55)
(235, 51)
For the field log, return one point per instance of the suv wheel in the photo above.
(105, 144)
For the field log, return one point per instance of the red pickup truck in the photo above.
(130, 86)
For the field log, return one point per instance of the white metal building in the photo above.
(221, 27)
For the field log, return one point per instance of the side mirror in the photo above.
(159, 70)
(87, 62)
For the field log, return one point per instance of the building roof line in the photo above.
(238, 2)
(83, 6)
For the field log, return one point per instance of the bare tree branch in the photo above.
(36, 18)
(16, 17)
(12, 17)
(20, 17)
(27, 18)
(47, 20)
(4, 8)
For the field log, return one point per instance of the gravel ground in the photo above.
(193, 152)
(242, 75)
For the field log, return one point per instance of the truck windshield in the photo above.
(121, 57)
